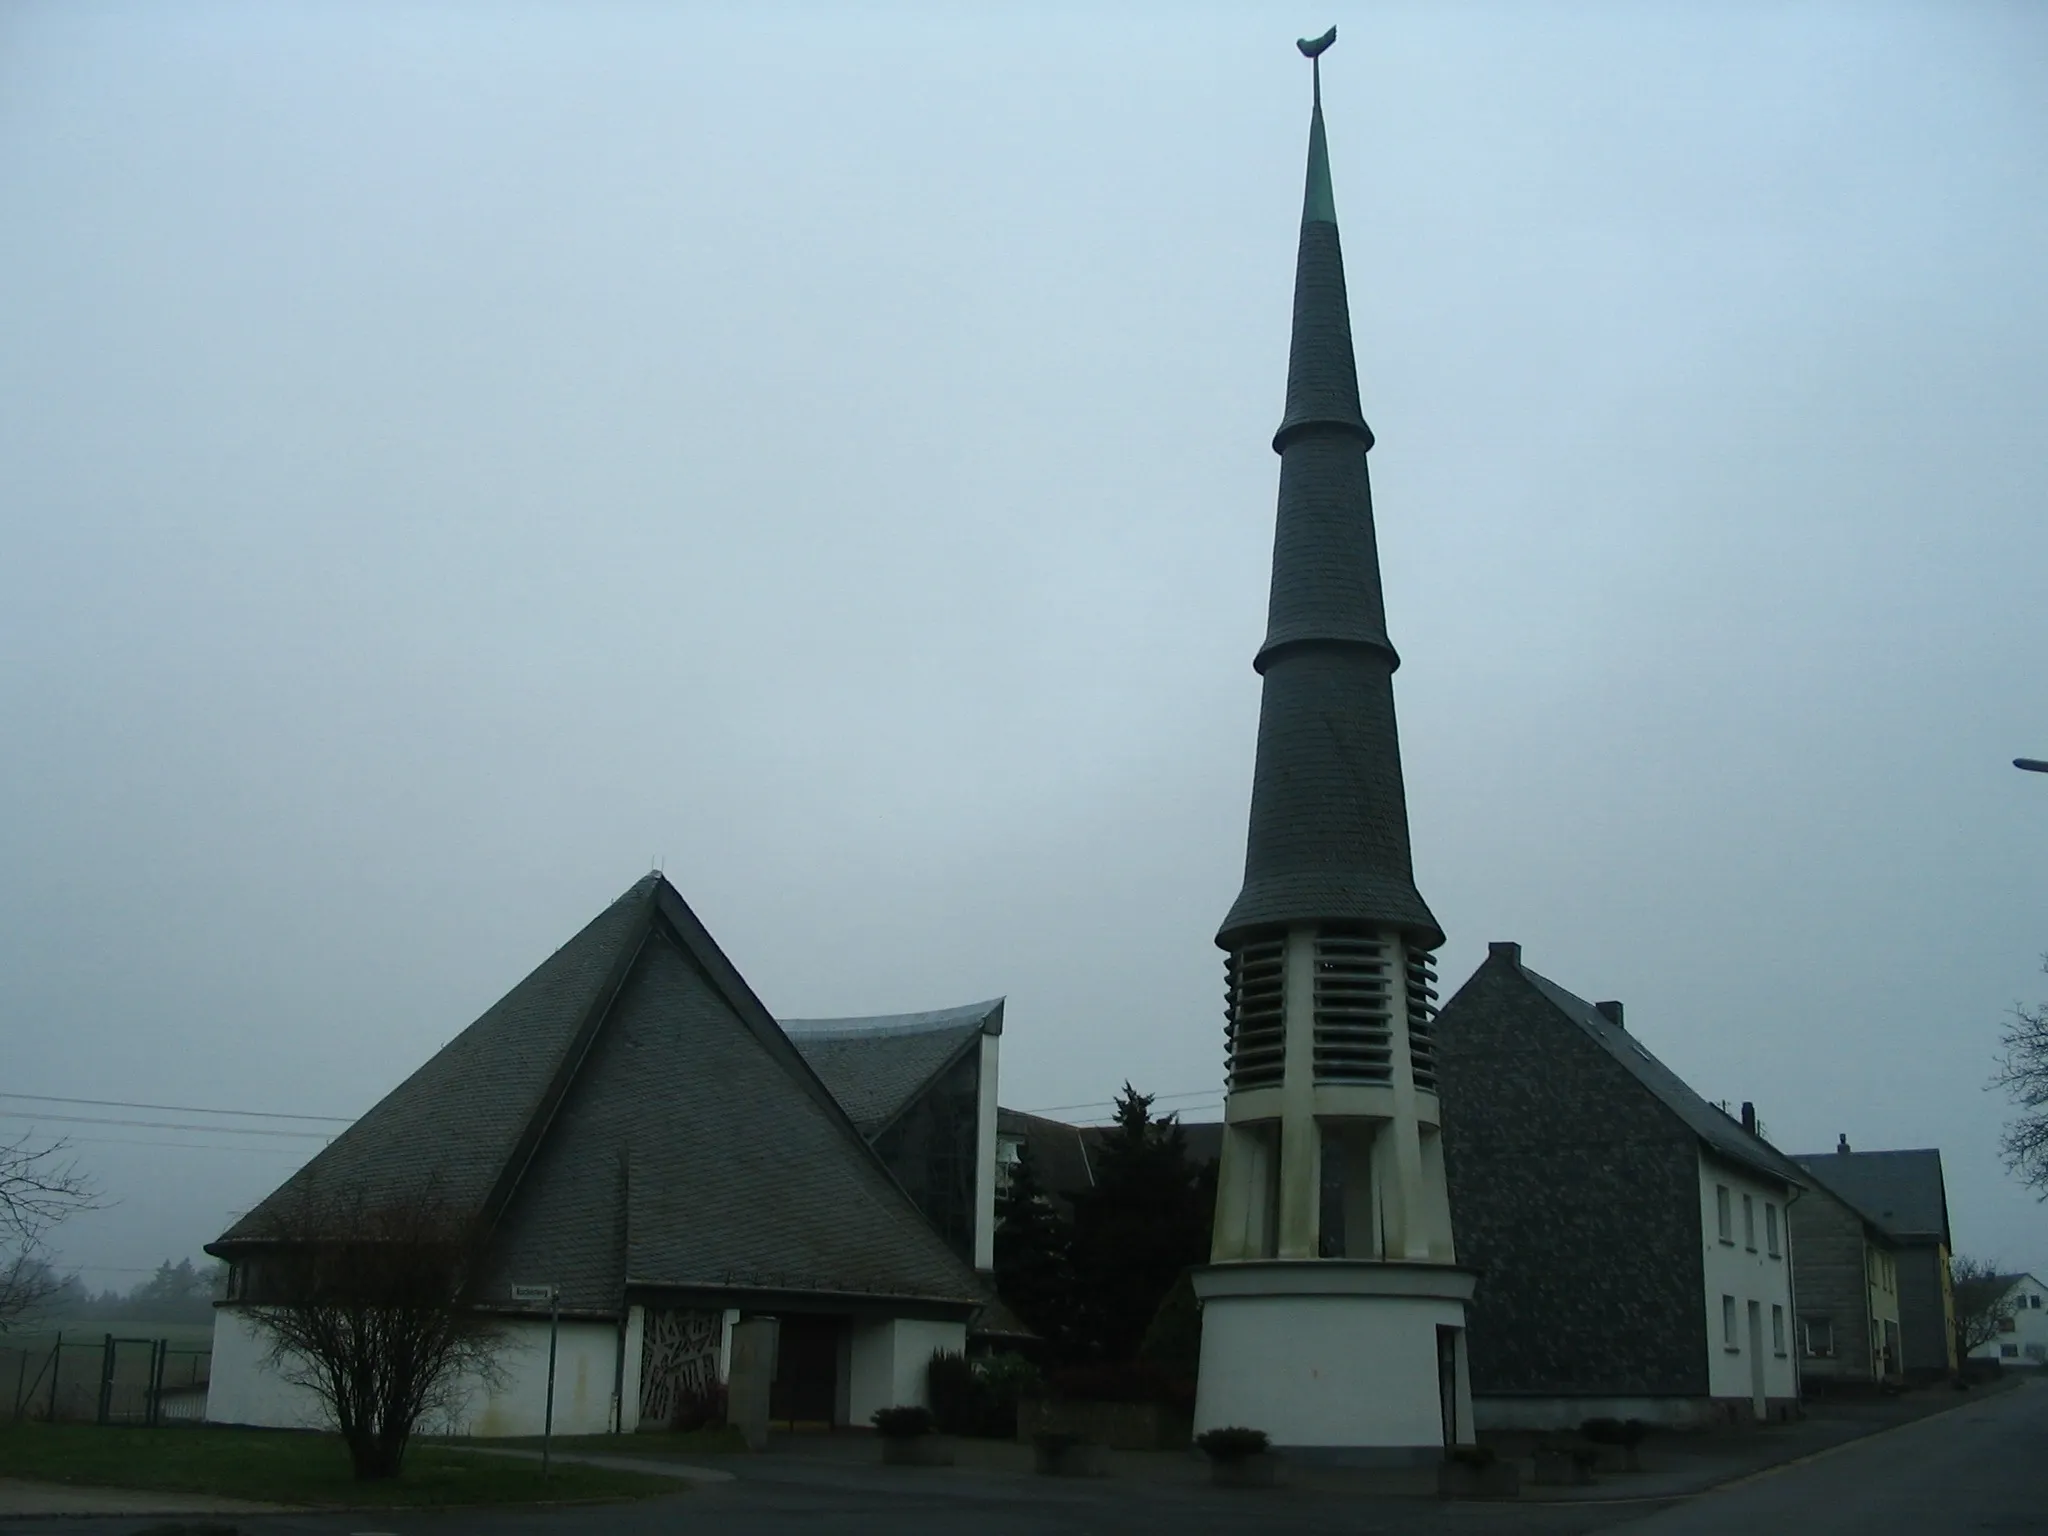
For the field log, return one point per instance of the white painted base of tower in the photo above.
(1335, 1354)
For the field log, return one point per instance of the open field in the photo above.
(294, 1467)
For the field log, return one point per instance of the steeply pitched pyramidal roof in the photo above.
(629, 1114)
(1329, 817)
(876, 1066)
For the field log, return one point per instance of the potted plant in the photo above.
(907, 1438)
(1477, 1472)
(1239, 1457)
(1064, 1453)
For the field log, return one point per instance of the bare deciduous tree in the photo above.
(368, 1305)
(1982, 1299)
(40, 1185)
(2023, 1073)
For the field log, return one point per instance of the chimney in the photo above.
(1841, 1143)
(1611, 1012)
(1749, 1117)
(1512, 953)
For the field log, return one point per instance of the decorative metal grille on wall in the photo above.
(1353, 1023)
(1254, 1019)
(678, 1359)
(1422, 1018)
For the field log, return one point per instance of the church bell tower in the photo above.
(1333, 1310)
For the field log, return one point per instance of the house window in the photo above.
(1749, 1223)
(2008, 1351)
(2008, 1324)
(1771, 1229)
(2038, 1353)
(1728, 1334)
(1820, 1336)
(1723, 1214)
(2034, 1302)
(1778, 1331)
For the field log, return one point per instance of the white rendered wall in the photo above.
(1326, 1370)
(1733, 1269)
(629, 1389)
(245, 1390)
(887, 1359)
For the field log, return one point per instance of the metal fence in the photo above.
(106, 1379)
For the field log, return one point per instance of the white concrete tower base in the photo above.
(1337, 1354)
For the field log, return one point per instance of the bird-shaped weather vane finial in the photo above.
(1312, 49)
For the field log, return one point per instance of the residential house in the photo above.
(633, 1130)
(1904, 1192)
(2023, 1331)
(1631, 1241)
(1846, 1284)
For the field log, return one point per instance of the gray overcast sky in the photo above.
(452, 456)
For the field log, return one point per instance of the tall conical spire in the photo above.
(1329, 817)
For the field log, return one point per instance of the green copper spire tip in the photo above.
(1318, 203)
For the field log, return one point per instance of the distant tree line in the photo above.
(177, 1293)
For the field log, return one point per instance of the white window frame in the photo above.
(1724, 1214)
(1730, 1333)
(1777, 1330)
(1749, 1222)
(1771, 1230)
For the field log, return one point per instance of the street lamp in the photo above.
(2031, 764)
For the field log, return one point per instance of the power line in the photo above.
(176, 1109)
(160, 1125)
(182, 1146)
(1157, 1098)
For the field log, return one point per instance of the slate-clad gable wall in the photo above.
(1833, 1282)
(1926, 1324)
(732, 1173)
(1575, 1193)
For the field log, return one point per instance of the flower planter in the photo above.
(1499, 1480)
(916, 1451)
(1260, 1471)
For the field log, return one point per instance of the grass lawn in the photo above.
(286, 1467)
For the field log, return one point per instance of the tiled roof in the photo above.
(1718, 1130)
(1903, 1192)
(630, 1113)
(877, 1066)
(1328, 836)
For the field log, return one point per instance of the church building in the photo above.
(632, 1130)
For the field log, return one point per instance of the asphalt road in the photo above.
(1980, 1468)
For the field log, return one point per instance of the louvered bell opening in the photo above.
(1422, 1018)
(1254, 1014)
(1354, 1033)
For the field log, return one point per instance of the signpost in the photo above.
(552, 1295)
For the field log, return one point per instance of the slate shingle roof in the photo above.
(629, 1113)
(1328, 837)
(877, 1066)
(1903, 1192)
(1718, 1130)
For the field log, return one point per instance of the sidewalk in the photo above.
(23, 1500)
(1675, 1466)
